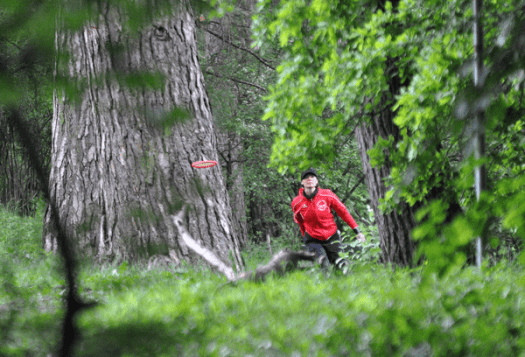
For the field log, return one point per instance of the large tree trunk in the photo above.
(117, 177)
(236, 175)
(230, 147)
(394, 228)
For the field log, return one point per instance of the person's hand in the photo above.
(361, 238)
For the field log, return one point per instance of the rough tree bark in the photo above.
(394, 228)
(230, 147)
(117, 177)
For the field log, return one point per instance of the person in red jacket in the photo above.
(312, 210)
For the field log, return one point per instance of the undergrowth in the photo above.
(187, 311)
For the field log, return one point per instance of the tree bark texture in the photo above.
(115, 176)
(394, 228)
(230, 147)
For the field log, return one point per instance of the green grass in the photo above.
(370, 312)
(29, 288)
(192, 312)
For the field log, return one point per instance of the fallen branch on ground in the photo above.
(204, 252)
(280, 263)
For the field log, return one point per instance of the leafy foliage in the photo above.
(434, 146)
(325, 78)
(362, 253)
(336, 56)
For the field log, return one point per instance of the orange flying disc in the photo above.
(204, 164)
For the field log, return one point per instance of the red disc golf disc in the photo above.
(204, 164)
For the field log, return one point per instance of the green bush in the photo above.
(366, 252)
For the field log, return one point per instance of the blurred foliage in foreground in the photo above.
(185, 311)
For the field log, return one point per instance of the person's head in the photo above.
(309, 179)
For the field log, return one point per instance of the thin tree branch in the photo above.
(221, 154)
(204, 252)
(263, 61)
(357, 185)
(230, 161)
(238, 161)
(359, 116)
(349, 194)
(238, 81)
(11, 42)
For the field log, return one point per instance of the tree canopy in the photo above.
(336, 54)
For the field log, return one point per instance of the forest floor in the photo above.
(188, 311)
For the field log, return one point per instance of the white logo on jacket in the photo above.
(321, 205)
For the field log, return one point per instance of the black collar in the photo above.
(312, 195)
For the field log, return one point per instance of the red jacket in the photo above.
(315, 216)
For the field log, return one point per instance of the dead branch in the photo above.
(280, 263)
(237, 80)
(204, 252)
(240, 48)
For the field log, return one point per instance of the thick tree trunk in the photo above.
(230, 147)
(237, 197)
(115, 176)
(394, 228)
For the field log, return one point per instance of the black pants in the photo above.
(329, 248)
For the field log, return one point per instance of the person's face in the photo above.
(309, 181)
